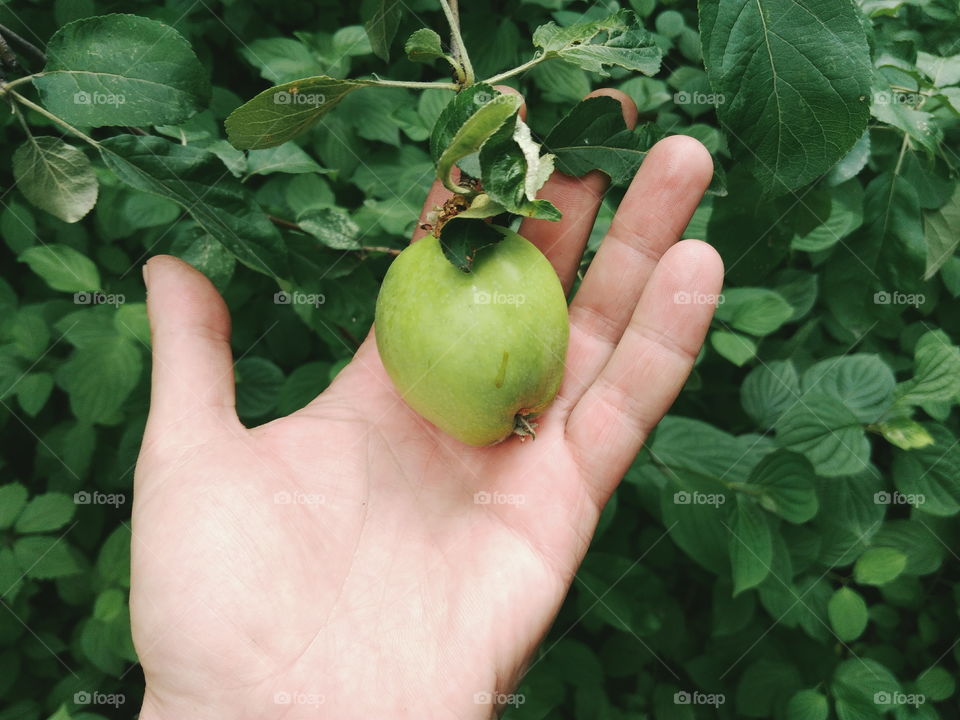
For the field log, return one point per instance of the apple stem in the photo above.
(523, 426)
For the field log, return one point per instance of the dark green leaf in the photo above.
(382, 26)
(121, 70)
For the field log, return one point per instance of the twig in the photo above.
(26, 47)
(283, 222)
(459, 50)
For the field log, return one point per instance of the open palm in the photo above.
(352, 561)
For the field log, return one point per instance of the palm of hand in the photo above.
(337, 562)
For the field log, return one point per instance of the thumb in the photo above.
(192, 396)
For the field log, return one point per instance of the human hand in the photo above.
(387, 590)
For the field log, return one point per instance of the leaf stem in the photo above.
(459, 49)
(5, 86)
(26, 47)
(416, 85)
(50, 116)
(517, 70)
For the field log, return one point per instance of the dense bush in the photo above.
(784, 547)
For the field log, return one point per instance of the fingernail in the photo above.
(146, 275)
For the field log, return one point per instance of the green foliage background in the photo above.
(787, 540)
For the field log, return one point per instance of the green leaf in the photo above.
(594, 136)
(121, 70)
(33, 391)
(941, 230)
(13, 497)
(55, 177)
(462, 238)
(785, 480)
(862, 382)
(936, 376)
(795, 83)
(808, 705)
(513, 171)
(892, 208)
(50, 511)
(757, 311)
(99, 378)
(45, 557)
(936, 683)
(258, 386)
(917, 541)
(878, 566)
(905, 433)
(919, 125)
(846, 215)
(424, 45)
(331, 226)
(62, 267)
(283, 112)
(287, 158)
(302, 386)
(382, 26)
(848, 614)
(751, 549)
(195, 180)
(931, 474)
(465, 124)
(862, 689)
(769, 390)
(617, 39)
(827, 432)
(737, 348)
(113, 562)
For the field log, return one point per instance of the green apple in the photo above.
(476, 353)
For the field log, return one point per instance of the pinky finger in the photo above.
(649, 366)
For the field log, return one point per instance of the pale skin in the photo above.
(334, 563)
